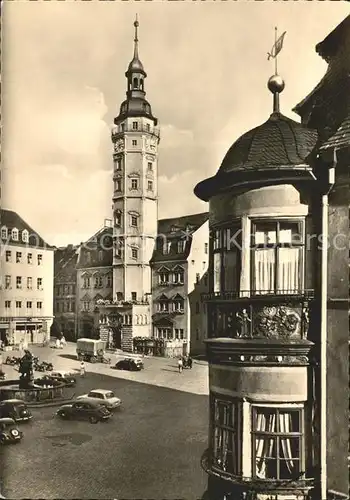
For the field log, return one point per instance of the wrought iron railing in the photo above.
(141, 128)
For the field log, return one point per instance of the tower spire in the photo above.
(276, 83)
(136, 40)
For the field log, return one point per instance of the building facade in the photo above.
(327, 108)
(135, 139)
(198, 315)
(27, 262)
(277, 309)
(179, 261)
(94, 281)
(65, 283)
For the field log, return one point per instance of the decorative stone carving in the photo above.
(119, 146)
(276, 322)
(243, 324)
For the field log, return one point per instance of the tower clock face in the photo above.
(119, 146)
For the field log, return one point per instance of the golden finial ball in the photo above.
(276, 84)
(136, 24)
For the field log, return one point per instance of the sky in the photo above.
(63, 79)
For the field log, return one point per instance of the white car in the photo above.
(104, 397)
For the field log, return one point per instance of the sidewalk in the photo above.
(161, 372)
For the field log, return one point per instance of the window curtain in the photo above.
(264, 270)
(264, 447)
(217, 272)
(230, 271)
(288, 270)
(285, 423)
(223, 438)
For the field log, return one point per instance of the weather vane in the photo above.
(276, 48)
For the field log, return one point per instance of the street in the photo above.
(151, 448)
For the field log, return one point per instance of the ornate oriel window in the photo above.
(224, 435)
(276, 257)
(277, 443)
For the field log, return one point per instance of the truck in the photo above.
(91, 350)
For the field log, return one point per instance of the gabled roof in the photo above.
(89, 251)
(194, 221)
(186, 226)
(65, 260)
(12, 220)
(330, 45)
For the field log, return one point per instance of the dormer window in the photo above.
(166, 247)
(14, 234)
(25, 236)
(181, 246)
(4, 232)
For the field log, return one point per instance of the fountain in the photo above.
(29, 389)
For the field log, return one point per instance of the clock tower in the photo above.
(135, 138)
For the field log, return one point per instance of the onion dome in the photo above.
(273, 152)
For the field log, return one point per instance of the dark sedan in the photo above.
(84, 410)
(9, 433)
(129, 364)
(16, 409)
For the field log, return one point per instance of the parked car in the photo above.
(130, 364)
(84, 410)
(63, 376)
(9, 433)
(15, 409)
(103, 397)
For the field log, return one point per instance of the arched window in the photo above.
(141, 84)
(136, 83)
(25, 236)
(14, 234)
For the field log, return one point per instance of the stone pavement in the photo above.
(161, 372)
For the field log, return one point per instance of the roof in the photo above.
(20, 401)
(89, 251)
(279, 148)
(12, 220)
(101, 391)
(327, 105)
(65, 259)
(171, 231)
(329, 46)
(278, 142)
(341, 138)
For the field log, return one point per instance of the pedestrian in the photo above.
(63, 341)
(189, 362)
(180, 365)
(82, 369)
